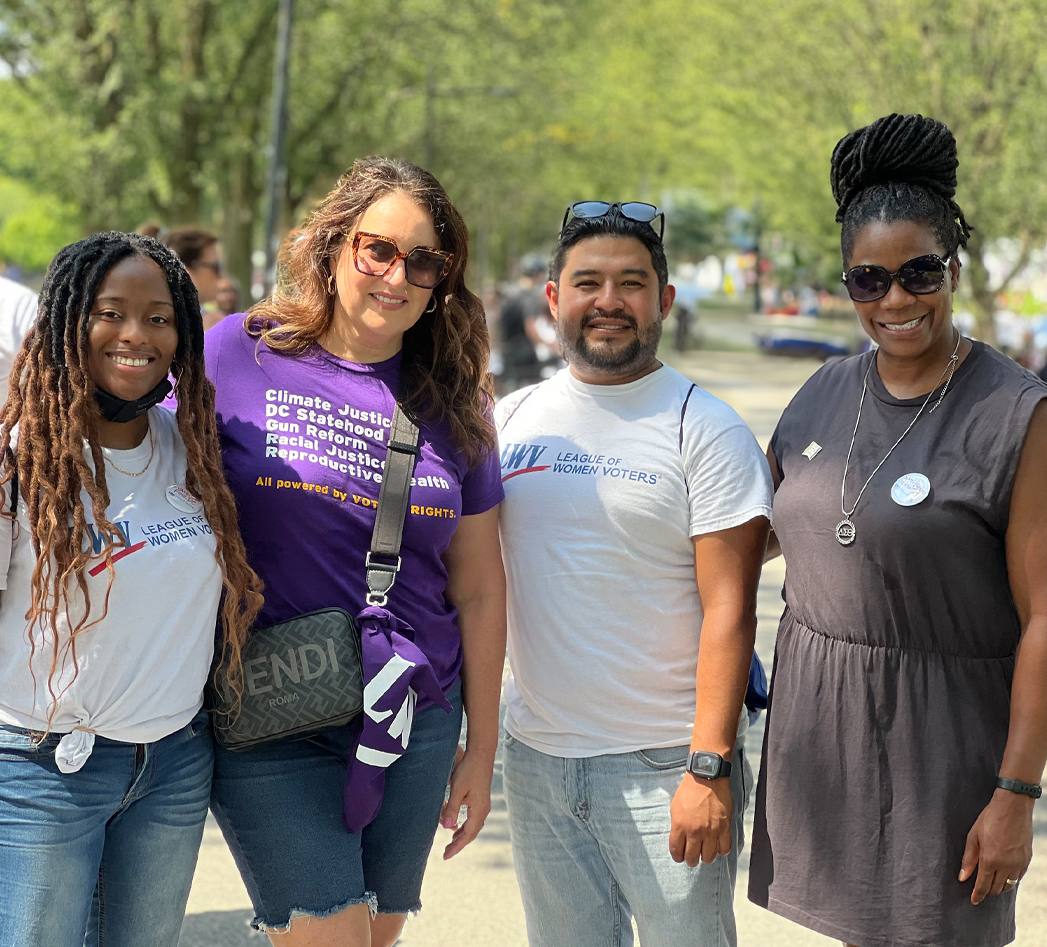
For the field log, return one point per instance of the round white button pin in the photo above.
(910, 489)
(181, 499)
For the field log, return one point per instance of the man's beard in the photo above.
(606, 356)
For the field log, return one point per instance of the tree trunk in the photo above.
(187, 162)
(240, 202)
(983, 296)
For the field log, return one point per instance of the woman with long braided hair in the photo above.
(907, 729)
(124, 548)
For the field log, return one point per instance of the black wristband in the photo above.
(1016, 785)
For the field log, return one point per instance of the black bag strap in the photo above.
(383, 561)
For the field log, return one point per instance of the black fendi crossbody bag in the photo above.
(305, 675)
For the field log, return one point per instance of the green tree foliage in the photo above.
(139, 109)
(813, 71)
(33, 226)
(699, 228)
(135, 109)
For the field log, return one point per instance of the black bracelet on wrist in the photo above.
(1016, 785)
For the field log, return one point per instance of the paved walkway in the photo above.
(472, 900)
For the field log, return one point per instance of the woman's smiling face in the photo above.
(902, 324)
(132, 335)
(379, 309)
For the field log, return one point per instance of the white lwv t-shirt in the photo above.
(139, 673)
(605, 486)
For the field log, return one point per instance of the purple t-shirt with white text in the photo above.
(303, 443)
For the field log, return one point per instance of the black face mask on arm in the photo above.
(120, 411)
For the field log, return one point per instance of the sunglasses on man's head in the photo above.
(375, 255)
(920, 276)
(634, 210)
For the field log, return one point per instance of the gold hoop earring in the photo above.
(330, 285)
(428, 311)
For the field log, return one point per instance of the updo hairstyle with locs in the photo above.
(901, 167)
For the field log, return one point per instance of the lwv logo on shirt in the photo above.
(98, 540)
(123, 527)
(520, 459)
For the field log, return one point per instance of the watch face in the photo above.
(705, 764)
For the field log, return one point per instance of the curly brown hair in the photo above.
(445, 353)
(51, 400)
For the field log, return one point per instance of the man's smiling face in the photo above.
(609, 309)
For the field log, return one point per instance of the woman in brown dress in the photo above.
(907, 728)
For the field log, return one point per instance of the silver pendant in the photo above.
(910, 489)
(845, 532)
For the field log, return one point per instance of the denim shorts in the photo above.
(280, 809)
(108, 850)
(590, 843)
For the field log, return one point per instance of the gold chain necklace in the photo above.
(127, 473)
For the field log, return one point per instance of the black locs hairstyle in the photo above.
(75, 274)
(901, 167)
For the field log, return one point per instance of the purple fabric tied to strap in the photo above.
(395, 672)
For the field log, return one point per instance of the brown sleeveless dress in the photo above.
(890, 692)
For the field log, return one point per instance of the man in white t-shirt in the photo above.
(634, 524)
(17, 314)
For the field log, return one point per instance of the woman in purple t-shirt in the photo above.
(374, 306)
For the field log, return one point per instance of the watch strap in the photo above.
(1016, 785)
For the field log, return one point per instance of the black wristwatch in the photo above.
(708, 765)
(1016, 785)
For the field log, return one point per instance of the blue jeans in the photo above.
(280, 809)
(591, 845)
(123, 832)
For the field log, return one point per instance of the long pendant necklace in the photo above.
(845, 529)
(127, 473)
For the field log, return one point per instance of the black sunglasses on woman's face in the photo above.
(920, 276)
